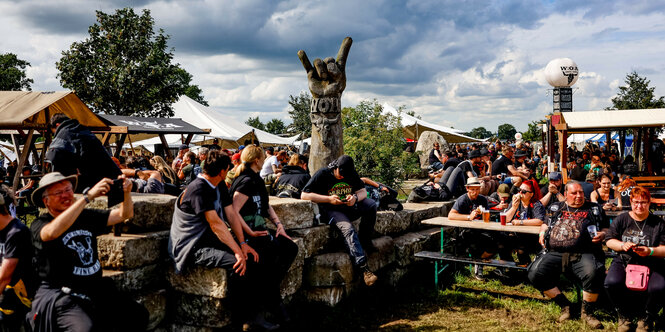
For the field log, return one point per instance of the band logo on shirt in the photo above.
(341, 190)
(81, 241)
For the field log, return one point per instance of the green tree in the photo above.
(376, 143)
(506, 131)
(191, 90)
(299, 112)
(480, 132)
(255, 122)
(124, 67)
(534, 132)
(275, 126)
(12, 73)
(637, 94)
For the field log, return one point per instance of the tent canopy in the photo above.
(28, 109)
(223, 127)
(413, 127)
(602, 121)
(139, 125)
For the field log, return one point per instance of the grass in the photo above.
(467, 305)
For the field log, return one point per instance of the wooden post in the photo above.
(129, 137)
(119, 143)
(608, 142)
(622, 143)
(165, 146)
(637, 147)
(23, 158)
(647, 150)
(189, 139)
(563, 150)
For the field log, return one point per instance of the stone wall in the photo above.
(322, 272)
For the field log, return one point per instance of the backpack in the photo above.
(427, 192)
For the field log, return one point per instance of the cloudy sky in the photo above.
(456, 63)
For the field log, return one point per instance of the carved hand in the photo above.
(327, 78)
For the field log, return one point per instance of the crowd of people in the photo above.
(514, 179)
(51, 274)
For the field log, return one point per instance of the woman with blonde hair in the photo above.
(276, 249)
(168, 174)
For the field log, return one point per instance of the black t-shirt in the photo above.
(569, 227)
(533, 211)
(250, 184)
(324, 182)
(198, 197)
(625, 196)
(500, 165)
(464, 204)
(553, 198)
(453, 161)
(649, 232)
(432, 157)
(71, 259)
(15, 242)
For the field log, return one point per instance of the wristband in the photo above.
(541, 233)
(85, 195)
(651, 253)
(243, 242)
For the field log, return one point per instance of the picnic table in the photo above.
(440, 257)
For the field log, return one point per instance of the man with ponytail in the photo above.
(342, 198)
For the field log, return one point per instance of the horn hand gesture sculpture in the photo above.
(327, 81)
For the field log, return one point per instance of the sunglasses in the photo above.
(525, 191)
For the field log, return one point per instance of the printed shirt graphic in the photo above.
(566, 232)
(81, 241)
(341, 190)
(569, 227)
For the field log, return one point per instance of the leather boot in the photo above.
(589, 317)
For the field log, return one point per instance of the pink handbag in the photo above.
(637, 277)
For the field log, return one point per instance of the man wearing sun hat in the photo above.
(72, 294)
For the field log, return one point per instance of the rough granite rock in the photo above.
(156, 304)
(315, 239)
(130, 251)
(425, 210)
(293, 213)
(202, 281)
(409, 244)
(333, 269)
(188, 328)
(138, 280)
(292, 281)
(151, 212)
(383, 255)
(393, 222)
(327, 295)
(196, 310)
(426, 144)
(393, 276)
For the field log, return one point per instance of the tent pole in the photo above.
(165, 146)
(22, 159)
(129, 137)
(119, 142)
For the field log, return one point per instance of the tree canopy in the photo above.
(480, 132)
(299, 112)
(534, 132)
(12, 73)
(255, 122)
(376, 143)
(125, 68)
(506, 131)
(276, 126)
(637, 94)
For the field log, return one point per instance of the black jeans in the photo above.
(588, 268)
(630, 302)
(276, 254)
(366, 210)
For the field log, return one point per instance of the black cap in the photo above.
(520, 153)
(484, 152)
(475, 154)
(346, 167)
(183, 147)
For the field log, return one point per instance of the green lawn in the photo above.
(467, 305)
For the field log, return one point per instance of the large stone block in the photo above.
(137, 280)
(203, 281)
(424, 210)
(393, 222)
(293, 213)
(292, 281)
(326, 270)
(151, 212)
(188, 328)
(196, 310)
(315, 239)
(327, 295)
(155, 303)
(408, 244)
(383, 255)
(426, 144)
(130, 251)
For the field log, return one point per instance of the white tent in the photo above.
(413, 127)
(223, 127)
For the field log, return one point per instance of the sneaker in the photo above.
(478, 272)
(565, 314)
(369, 277)
(644, 325)
(623, 325)
(591, 321)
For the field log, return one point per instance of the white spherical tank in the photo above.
(561, 72)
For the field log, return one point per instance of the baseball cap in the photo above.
(503, 190)
(346, 167)
(236, 156)
(591, 176)
(555, 176)
(183, 147)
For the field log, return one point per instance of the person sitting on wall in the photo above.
(72, 295)
(293, 178)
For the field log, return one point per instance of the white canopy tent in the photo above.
(413, 127)
(223, 127)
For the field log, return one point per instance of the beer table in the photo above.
(446, 259)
